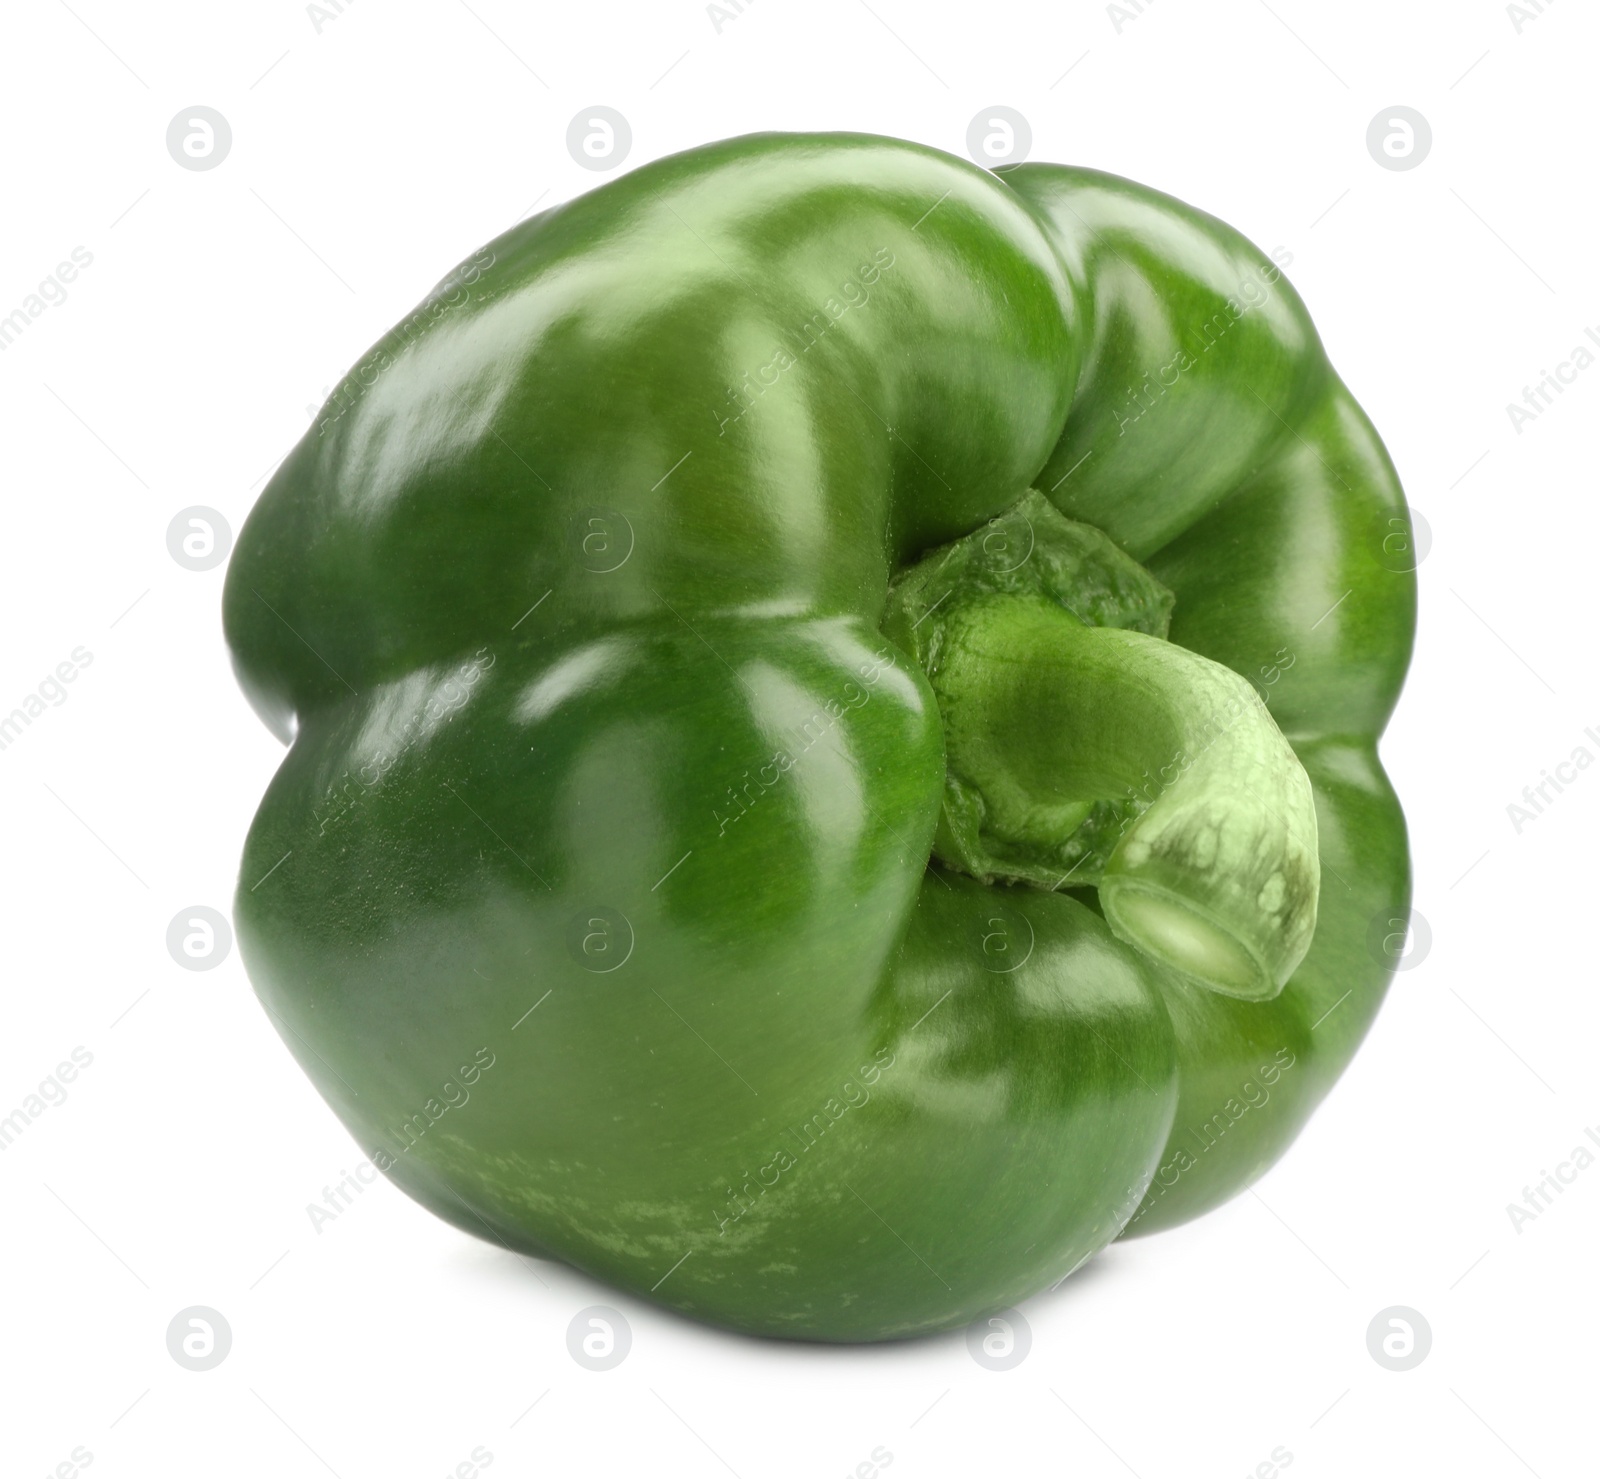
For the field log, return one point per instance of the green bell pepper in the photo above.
(833, 701)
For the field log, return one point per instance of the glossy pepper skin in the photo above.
(594, 892)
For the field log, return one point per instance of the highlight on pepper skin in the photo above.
(823, 689)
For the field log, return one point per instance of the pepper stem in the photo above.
(1079, 750)
(1217, 876)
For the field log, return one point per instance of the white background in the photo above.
(370, 155)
